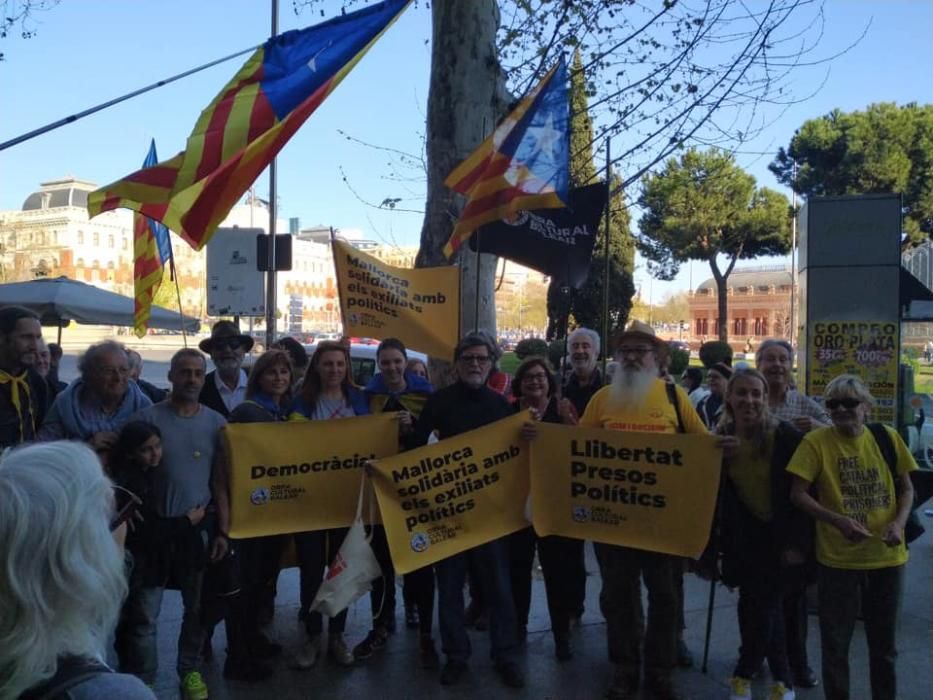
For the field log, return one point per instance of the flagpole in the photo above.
(174, 278)
(478, 247)
(606, 256)
(270, 275)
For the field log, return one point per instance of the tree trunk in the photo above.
(467, 97)
(721, 299)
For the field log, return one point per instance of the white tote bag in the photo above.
(353, 569)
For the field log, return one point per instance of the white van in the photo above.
(363, 360)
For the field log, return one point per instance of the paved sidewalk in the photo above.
(396, 675)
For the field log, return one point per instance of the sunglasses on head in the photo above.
(845, 403)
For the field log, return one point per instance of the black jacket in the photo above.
(458, 409)
(210, 396)
(751, 547)
(33, 407)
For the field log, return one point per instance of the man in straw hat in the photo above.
(225, 387)
(638, 400)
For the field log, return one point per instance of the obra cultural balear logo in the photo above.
(259, 496)
(581, 514)
(420, 542)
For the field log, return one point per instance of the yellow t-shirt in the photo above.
(656, 416)
(750, 474)
(853, 479)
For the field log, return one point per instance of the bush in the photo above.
(531, 346)
(680, 358)
(715, 351)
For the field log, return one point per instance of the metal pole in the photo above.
(606, 256)
(476, 304)
(709, 624)
(181, 313)
(270, 275)
(793, 262)
(110, 103)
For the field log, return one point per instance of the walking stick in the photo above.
(709, 624)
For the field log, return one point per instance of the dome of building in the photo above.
(68, 192)
(752, 277)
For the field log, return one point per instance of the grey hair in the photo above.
(136, 360)
(591, 335)
(474, 339)
(848, 386)
(89, 358)
(771, 343)
(61, 581)
(186, 352)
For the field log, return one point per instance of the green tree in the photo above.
(702, 205)
(885, 148)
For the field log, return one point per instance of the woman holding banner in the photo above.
(535, 388)
(327, 393)
(761, 536)
(268, 398)
(395, 389)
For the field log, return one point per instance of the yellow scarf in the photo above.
(17, 384)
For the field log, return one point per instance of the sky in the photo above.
(85, 53)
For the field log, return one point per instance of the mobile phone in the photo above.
(127, 505)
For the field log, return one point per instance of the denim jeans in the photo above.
(139, 629)
(839, 592)
(622, 570)
(492, 566)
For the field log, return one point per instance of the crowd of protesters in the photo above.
(137, 501)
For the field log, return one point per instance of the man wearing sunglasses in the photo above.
(225, 386)
(775, 360)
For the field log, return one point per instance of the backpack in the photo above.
(71, 671)
(913, 528)
(672, 397)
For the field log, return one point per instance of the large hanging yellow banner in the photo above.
(454, 495)
(644, 490)
(295, 477)
(421, 307)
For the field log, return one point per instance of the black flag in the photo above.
(557, 242)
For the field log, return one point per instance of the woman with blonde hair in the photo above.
(762, 538)
(62, 582)
(863, 497)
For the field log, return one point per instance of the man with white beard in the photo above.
(638, 400)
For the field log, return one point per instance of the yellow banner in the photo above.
(421, 307)
(453, 495)
(294, 477)
(867, 349)
(644, 490)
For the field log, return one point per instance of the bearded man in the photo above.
(638, 400)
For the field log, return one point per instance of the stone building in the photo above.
(759, 306)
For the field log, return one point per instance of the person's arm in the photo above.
(52, 427)
(220, 492)
(800, 496)
(893, 533)
(424, 426)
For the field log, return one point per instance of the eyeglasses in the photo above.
(535, 377)
(849, 404)
(477, 359)
(637, 352)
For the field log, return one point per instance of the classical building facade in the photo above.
(759, 306)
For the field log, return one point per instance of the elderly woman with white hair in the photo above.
(62, 582)
(863, 497)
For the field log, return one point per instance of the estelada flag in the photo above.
(524, 164)
(152, 249)
(247, 124)
(557, 242)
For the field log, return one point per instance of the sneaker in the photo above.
(308, 654)
(251, 671)
(684, 657)
(430, 661)
(511, 674)
(338, 650)
(779, 691)
(411, 618)
(453, 672)
(193, 686)
(740, 688)
(375, 641)
(805, 678)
